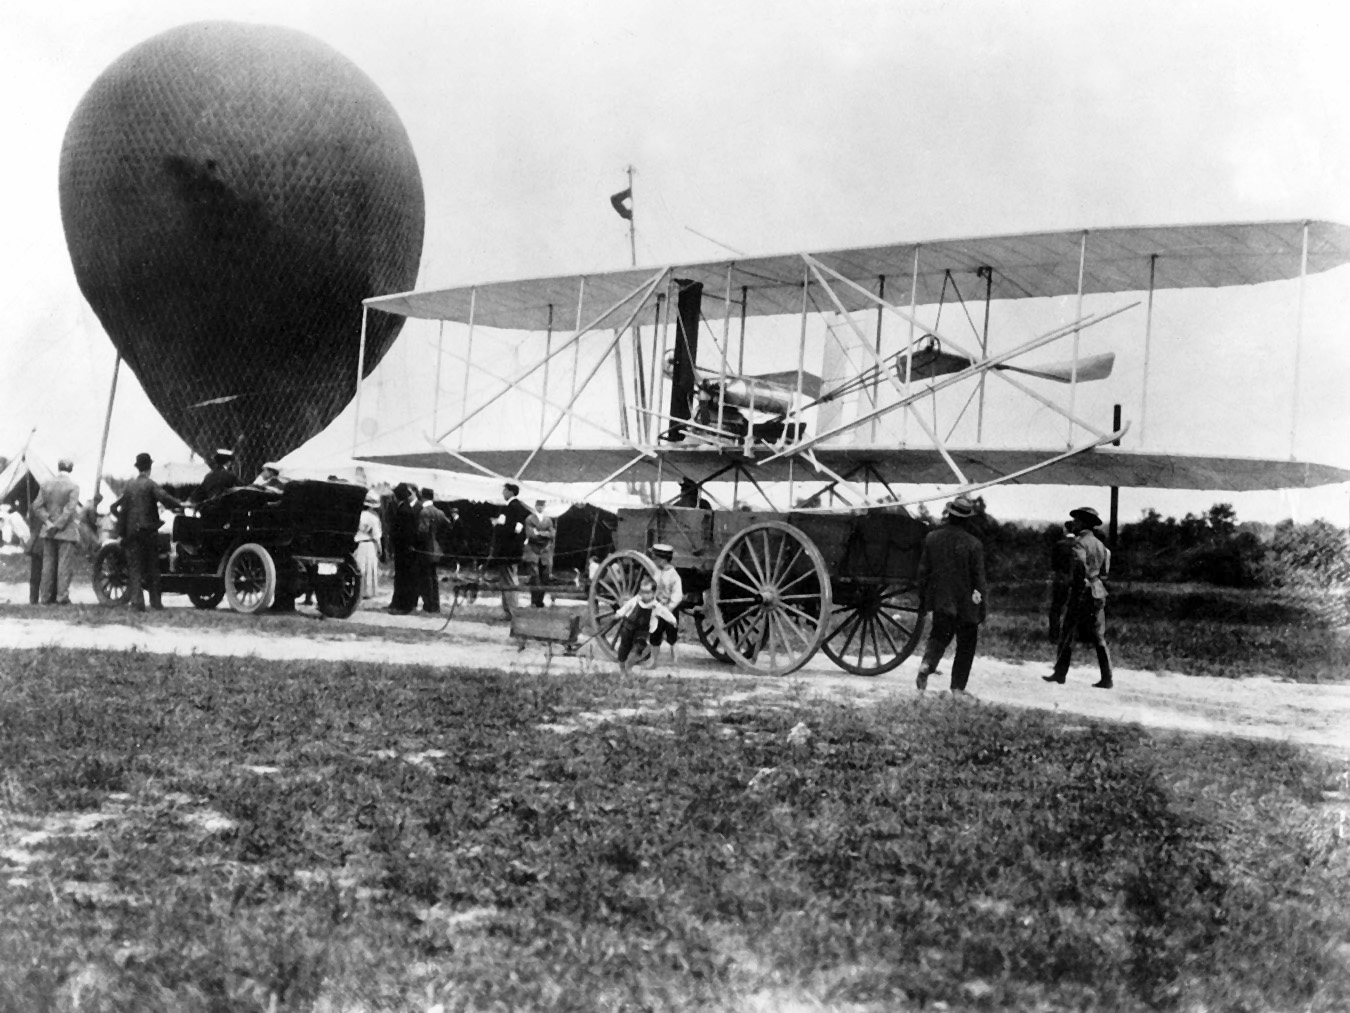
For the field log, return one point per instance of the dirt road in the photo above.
(1263, 708)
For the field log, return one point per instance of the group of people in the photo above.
(954, 592)
(222, 478)
(421, 533)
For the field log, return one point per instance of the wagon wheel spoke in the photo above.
(890, 641)
(797, 580)
(749, 550)
(789, 610)
(896, 624)
(786, 624)
(857, 627)
(741, 584)
(778, 560)
(780, 573)
(847, 618)
(874, 630)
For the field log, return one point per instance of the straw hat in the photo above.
(962, 506)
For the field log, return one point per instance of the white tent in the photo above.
(21, 479)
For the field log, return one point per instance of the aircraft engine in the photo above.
(230, 193)
(749, 393)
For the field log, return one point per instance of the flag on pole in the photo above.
(622, 202)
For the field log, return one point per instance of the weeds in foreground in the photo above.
(391, 838)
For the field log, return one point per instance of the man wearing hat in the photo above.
(537, 554)
(57, 508)
(433, 527)
(220, 478)
(140, 523)
(1086, 615)
(952, 590)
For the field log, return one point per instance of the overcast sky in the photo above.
(770, 126)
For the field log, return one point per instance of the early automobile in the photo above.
(254, 548)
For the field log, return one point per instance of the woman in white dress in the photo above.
(369, 537)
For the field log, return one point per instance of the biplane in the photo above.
(856, 384)
(667, 347)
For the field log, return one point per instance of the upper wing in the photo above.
(1019, 266)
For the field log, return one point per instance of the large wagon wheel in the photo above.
(770, 598)
(250, 579)
(615, 582)
(876, 628)
(706, 630)
(112, 575)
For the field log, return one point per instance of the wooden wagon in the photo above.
(767, 590)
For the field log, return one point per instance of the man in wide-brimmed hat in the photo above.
(1086, 614)
(952, 591)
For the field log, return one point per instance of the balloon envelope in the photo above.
(230, 193)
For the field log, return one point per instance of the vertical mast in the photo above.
(632, 220)
(107, 423)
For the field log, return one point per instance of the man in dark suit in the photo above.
(433, 533)
(140, 521)
(220, 478)
(403, 539)
(508, 542)
(952, 590)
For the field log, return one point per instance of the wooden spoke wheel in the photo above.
(338, 597)
(206, 599)
(875, 627)
(250, 579)
(615, 582)
(112, 575)
(706, 630)
(770, 598)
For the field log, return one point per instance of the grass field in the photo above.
(242, 835)
(1194, 629)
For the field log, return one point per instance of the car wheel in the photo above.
(337, 598)
(112, 575)
(250, 579)
(206, 599)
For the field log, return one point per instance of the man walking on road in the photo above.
(1086, 615)
(952, 590)
(58, 507)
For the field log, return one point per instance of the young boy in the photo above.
(670, 593)
(640, 619)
